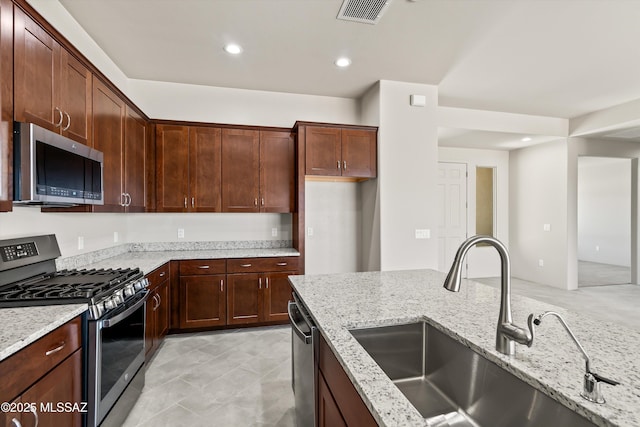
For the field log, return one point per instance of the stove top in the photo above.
(66, 286)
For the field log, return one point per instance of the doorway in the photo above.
(604, 221)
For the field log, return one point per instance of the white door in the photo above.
(452, 211)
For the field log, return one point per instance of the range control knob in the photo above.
(109, 304)
(117, 299)
(129, 290)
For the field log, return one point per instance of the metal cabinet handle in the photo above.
(123, 200)
(127, 199)
(162, 274)
(203, 267)
(263, 201)
(185, 202)
(157, 303)
(255, 202)
(193, 202)
(338, 164)
(267, 282)
(35, 415)
(344, 165)
(245, 265)
(55, 350)
(221, 285)
(281, 264)
(68, 121)
(260, 283)
(159, 300)
(15, 422)
(61, 117)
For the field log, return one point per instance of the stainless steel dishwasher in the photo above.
(303, 355)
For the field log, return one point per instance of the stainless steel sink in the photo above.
(451, 385)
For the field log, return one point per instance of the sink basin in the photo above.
(451, 385)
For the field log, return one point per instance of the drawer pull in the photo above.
(281, 264)
(203, 267)
(162, 274)
(221, 285)
(245, 265)
(55, 350)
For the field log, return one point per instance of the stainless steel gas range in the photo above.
(113, 327)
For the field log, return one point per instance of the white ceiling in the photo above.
(560, 58)
(487, 140)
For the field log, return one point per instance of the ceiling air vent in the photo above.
(365, 11)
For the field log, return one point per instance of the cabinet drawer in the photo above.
(158, 276)
(259, 265)
(202, 266)
(25, 367)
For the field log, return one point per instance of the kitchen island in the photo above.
(552, 365)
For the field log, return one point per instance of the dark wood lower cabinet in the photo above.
(277, 295)
(202, 301)
(336, 393)
(244, 298)
(158, 309)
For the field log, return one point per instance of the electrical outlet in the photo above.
(274, 232)
(422, 233)
(541, 263)
(310, 231)
(80, 242)
(546, 227)
(180, 233)
(597, 248)
(115, 237)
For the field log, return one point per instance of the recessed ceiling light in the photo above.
(343, 62)
(233, 49)
(526, 139)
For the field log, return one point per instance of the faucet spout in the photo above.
(507, 334)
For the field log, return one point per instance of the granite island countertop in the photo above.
(553, 365)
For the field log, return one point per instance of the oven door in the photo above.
(117, 340)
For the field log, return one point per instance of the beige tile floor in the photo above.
(232, 378)
(242, 377)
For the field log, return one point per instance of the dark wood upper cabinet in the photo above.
(188, 171)
(359, 153)
(341, 151)
(136, 134)
(205, 169)
(172, 168)
(323, 151)
(52, 88)
(277, 171)
(240, 170)
(108, 137)
(6, 105)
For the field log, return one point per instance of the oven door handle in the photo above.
(107, 323)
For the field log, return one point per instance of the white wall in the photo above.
(483, 261)
(407, 175)
(604, 210)
(538, 179)
(333, 211)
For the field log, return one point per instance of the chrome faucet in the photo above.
(591, 384)
(507, 334)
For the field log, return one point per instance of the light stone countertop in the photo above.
(21, 326)
(149, 261)
(553, 365)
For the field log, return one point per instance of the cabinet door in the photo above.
(75, 98)
(359, 154)
(277, 171)
(202, 301)
(205, 172)
(244, 298)
(6, 105)
(240, 173)
(277, 295)
(37, 60)
(172, 168)
(150, 325)
(323, 156)
(328, 412)
(135, 140)
(62, 384)
(108, 135)
(162, 313)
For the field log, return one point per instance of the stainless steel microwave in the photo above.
(50, 169)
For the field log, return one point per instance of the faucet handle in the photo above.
(591, 390)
